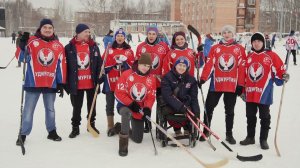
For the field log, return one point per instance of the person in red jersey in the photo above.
(84, 63)
(226, 71)
(120, 58)
(178, 50)
(263, 69)
(158, 50)
(135, 93)
(46, 74)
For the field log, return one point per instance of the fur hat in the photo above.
(145, 59)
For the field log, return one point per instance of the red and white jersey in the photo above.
(173, 56)
(134, 87)
(46, 65)
(291, 43)
(111, 68)
(83, 61)
(262, 70)
(158, 53)
(225, 67)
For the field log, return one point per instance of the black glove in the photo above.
(147, 112)
(200, 83)
(183, 110)
(200, 48)
(286, 77)
(134, 107)
(101, 79)
(60, 90)
(239, 90)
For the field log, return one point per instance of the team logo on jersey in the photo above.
(267, 60)
(83, 60)
(149, 82)
(138, 92)
(155, 61)
(45, 57)
(191, 53)
(143, 49)
(110, 51)
(161, 50)
(36, 43)
(236, 51)
(249, 60)
(218, 50)
(256, 72)
(173, 55)
(226, 62)
(131, 78)
(56, 46)
(128, 53)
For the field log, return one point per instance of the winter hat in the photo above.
(145, 59)
(258, 36)
(228, 28)
(180, 33)
(292, 32)
(183, 60)
(44, 22)
(120, 31)
(110, 31)
(81, 27)
(152, 28)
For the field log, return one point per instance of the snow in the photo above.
(87, 151)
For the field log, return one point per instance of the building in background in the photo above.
(209, 16)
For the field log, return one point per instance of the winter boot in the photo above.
(264, 144)
(75, 132)
(23, 137)
(53, 136)
(263, 138)
(123, 145)
(110, 126)
(147, 127)
(94, 127)
(229, 138)
(248, 141)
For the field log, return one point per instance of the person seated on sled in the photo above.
(180, 92)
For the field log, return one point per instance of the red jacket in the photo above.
(262, 70)
(134, 87)
(158, 53)
(172, 57)
(226, 67)
(112, 69)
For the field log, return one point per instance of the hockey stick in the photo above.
(22, 102)
(280, 107)
(8, 63)
(206, 165)
(155, 150)
(89, 127)
(241, 158)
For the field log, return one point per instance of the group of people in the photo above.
(155, 73)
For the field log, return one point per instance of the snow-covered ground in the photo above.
(87, 151)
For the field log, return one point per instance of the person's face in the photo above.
(180, 41)
(181, 68)
(144, 68)
(120, 38)
(227, 35)
(257, 45)
(84, 36)
(47, 30)
(151, 35)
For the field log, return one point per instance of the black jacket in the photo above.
(72, 66)
(178, 90)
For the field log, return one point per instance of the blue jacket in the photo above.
(108, 39)
(207, 46)
(187, 93)
(72, 66)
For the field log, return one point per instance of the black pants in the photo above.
(294, 56)
(110, 103)
(212, 101)
(77, 101)
(265, 119)
(158, 106)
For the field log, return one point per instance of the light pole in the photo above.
(291, 20)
